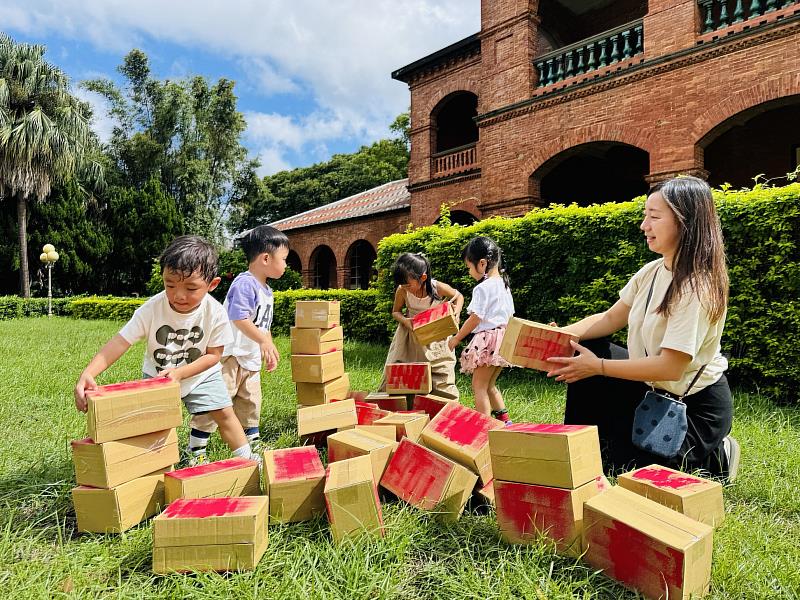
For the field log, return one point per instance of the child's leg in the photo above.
(481, 378)
(247, 404)
(499, 410)
(230, 429)
(201, 428)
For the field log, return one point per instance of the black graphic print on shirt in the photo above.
(167, 358)
(263, 320)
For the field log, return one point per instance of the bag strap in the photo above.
(694, 380)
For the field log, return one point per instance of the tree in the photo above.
(44, 134)
(402, 126)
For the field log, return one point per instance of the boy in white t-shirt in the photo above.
(249, 305)
(185, 330)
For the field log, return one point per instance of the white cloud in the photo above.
(272, 161)
(266, 78)
(101, 124)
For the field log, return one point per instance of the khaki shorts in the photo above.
(244, 387)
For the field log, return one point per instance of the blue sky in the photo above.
(312, 76)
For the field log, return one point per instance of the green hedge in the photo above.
(109, 307)
(14, 307)
(567, 262)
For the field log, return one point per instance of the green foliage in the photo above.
(567, 262)
(15, 307)
(111, 308)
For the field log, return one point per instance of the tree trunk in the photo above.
(22, 228)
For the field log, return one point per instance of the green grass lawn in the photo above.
(756, 551)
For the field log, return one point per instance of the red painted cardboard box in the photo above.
(317, 368)
(436, 323)
(351, 498)
(430, 403)
(486, 492)
(231, 477)
(110, 464)
(312, 394)
(565, 456)
(122, 410)
(462, 434)
(367, 413)
(530, 344)
(355, 442)
(388, 402)
(525, 512)
(211, 534)
(408, 378)
(408, 425)
(294, 479)
(317, 314)
(428, 480)
(695, 497)
(646, 546)
(316, 341)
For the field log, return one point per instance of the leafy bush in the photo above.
(109, 307)
(566, 262)
(14, 307)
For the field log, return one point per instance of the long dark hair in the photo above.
(483, 247)
(414, 266)
(700, 258)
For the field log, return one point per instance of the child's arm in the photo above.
(107, 356)
(468, 327)
(397, 309)
(208, 360)
(269, 352)
(453, 296)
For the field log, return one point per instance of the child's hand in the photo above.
(174, 374)
(86, 382)
(269, 355)
(452, 343)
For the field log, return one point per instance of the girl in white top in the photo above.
(491, 307)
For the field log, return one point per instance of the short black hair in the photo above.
(188, 254)
(261, 239)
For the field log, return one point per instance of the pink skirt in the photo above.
(483, 350)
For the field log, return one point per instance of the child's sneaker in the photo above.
(733, 453)
(502, 415)
(193, 458)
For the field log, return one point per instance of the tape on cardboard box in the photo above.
(316, 341)
(294, 479)
(322, 314)
(312, 394)
(530, 344)
(313, 368)
(353, 443)
(351, 498)
(115, 510)
(387, 432)
(110, 464)
(326, 417)
(224, 478)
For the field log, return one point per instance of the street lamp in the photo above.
(49, 256)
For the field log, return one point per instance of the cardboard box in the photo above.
(647, 547)
(317, 368)
(211, 534)
(387, 432)
(408, 378)
(122, 410)
(695, 497)
(355, 442)
(429, 403)
(388, 402)
(313, 394)
(436, 323)
(530, 344)
(486, 492)
(294, 479)
(408, 425)
(317, 314)
(110, 464)
(351, 498)
(462, 435)
(428, 480)
(316, 341)
(565, 456)
(525, 512)
(358, 395)
(231, 477)
(367, 413)
(118, 509)
(326, 417)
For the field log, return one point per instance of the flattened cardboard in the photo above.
(462, 435)
(435, 324)
(316, 341)
(388, 402)
(387, 432)
(211, 534)
(326, 417)
(317, 368)
(122, 410)
(317, 314)
(351, 498)
(430, 404)
(695, 497)
(294, 479)
(231, 477)
(530, 344)
(354, 442)
(111, 464)
(646, 546)
(313, 394)
(408, 425)
(525, 512)
(408, 378)
(428, 480)
(118, 509)
(565, 456)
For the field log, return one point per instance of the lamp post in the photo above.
(49, 256)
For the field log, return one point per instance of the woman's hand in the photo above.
(408, 323)
(585, 364)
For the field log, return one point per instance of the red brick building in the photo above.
(580, 101)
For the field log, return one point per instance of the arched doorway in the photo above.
(762, 140)
(293, 262)
(323, 268)
(359, 263)
(454, 135)
(593, 173)
(460, 217)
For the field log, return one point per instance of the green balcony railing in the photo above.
(719, 14)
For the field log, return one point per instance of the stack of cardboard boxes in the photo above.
(132, 442)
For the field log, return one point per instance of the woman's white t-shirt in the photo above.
(687, 329)
(492, 302)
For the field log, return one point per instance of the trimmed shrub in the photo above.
(109, 307)
(14, 307)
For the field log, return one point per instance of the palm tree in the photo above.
(44, 133)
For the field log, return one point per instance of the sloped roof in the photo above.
(384, 198)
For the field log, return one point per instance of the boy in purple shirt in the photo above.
(249, 305)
